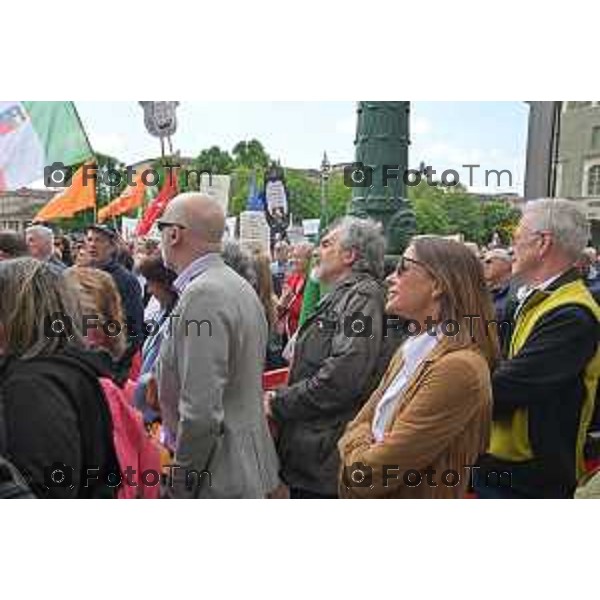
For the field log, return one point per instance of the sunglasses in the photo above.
(162, 225)
(405, 262)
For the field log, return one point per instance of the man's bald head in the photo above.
(192, 225)
(199, 213)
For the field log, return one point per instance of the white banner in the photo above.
(217, 187)
(128, 226)
(311, 226)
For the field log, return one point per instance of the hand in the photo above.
(152, 394)
(267, 400)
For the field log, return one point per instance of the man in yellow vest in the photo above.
(544, 392)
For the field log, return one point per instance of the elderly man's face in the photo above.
(37, 246)
(496, 270)
(333, 261)
(527, 243)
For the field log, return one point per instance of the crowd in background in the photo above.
(149, 354)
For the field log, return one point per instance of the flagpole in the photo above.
(87, 139)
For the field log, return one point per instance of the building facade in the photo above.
(563, 155)
(578, 166)
(18, 207)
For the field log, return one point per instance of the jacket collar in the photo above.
(537, 295)
(445, 345)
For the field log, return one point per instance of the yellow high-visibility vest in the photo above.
(510, 437)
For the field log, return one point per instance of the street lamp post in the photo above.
(382, 139)
(325, 172)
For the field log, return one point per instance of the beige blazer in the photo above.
(440, 426)
(210, 389)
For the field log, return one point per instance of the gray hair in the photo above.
(364, 236)
(44, 233)
(564, 219)
(590, 253)
(240, 261)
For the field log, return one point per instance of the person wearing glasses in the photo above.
(544, 392)
(210, 364)
(497, 270)
(338, 358)
(429, 418)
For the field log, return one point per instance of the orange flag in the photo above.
(81, 194)
(131, 198)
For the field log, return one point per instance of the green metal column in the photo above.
(382, 138)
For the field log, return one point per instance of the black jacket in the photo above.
(54, 413)
(332, 375)
(546, 377)
(131, 297)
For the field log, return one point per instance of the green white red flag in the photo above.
(34, 135)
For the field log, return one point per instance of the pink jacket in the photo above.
(135, 449)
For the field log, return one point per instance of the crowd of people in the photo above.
(138, 370)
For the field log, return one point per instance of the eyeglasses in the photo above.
(162, 225)
(405, 261)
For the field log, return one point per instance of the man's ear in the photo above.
(349, 257)
(174, 235)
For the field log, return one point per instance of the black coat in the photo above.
(54, 413)
(331, 377)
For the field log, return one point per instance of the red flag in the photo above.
(157, 206)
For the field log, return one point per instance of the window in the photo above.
(595, 138)
(593, 181)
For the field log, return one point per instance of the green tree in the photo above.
(251, 154)
(215, 161)
(447, 210)
(304, 197)
(338, 197)
(430, 211)
(464, 216)
(499, 217)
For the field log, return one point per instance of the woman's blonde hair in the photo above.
(99, 296)
(38, 309)
(465, 297)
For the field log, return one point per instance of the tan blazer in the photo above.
(440, 426)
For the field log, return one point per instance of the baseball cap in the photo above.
(105, 229)
(499, 254)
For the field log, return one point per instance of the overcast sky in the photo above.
(444, 135)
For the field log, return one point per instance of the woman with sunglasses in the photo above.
(429, 418)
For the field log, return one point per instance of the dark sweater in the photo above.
(55, 413)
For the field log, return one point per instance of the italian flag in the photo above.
(34, 135)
